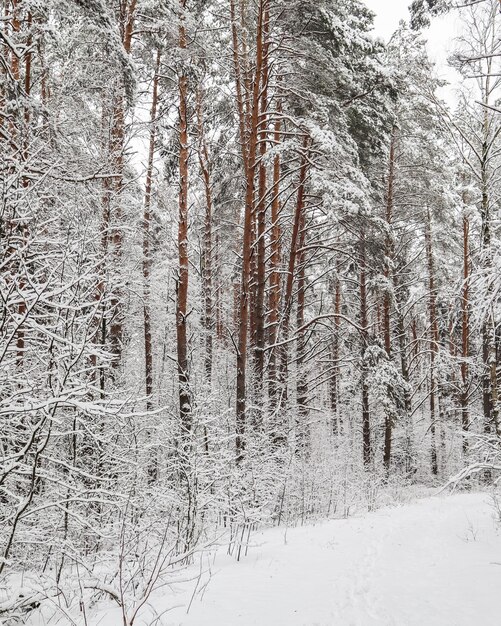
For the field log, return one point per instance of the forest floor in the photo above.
(435, 562)
(432, 562)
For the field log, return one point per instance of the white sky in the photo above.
(440, 37)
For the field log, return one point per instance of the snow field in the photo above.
(433, 562)
(436, 562)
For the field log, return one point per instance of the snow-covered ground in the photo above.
(434, 562)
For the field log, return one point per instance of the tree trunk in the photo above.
(404, 368)
(389, 252)
(20, 144)
(465, 336)
(366, 425)
(148, 351)
(207, 318)
(334, 379)
(434, 338)
(117, 149)
(260, 252)
(275, 261)
(243, 304)
(489, 377)
(302, 426)
(183, 257)
(291, 271)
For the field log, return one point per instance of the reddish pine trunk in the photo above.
(275, 260)
(148, 351)
(117, 147)
(303, 431)
(239, 86)
(291, 269)
(260, 251)
(27, 88)
(183, 258)
(243, 304)
(16, 27)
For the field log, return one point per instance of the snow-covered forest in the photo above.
(250, 277)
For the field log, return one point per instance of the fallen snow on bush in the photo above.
(435, 562)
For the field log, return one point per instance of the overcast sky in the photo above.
(388, 14)
(440, 36)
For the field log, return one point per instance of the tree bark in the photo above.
(183, 255)
(260, 252)
(489, 377)
(404, 368)
(465, 336)
(434, 339)
(302, 426)
(389, 252)
(148, 350)
(291, 270)
(243, 304)
(366, 424)
(20, 144)
(117, 148)
(334, 378)
(275, 261)
(207, 319)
